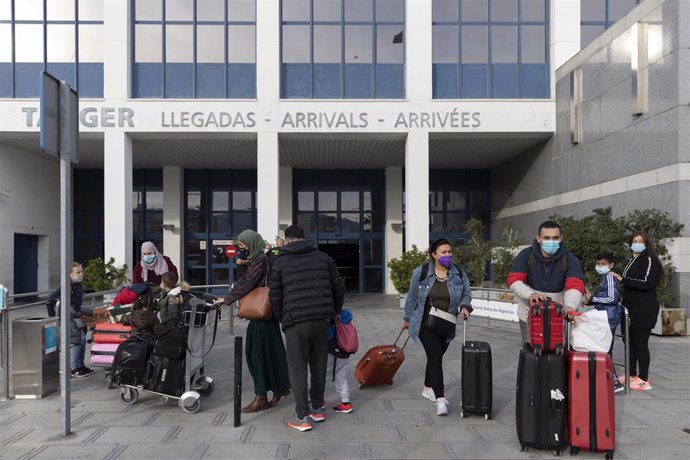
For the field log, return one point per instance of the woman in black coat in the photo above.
(641, 277)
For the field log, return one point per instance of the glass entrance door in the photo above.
(219, 205)
(342, 213)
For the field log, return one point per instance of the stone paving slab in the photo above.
(246, 451)
(330, 450)
(388, 421)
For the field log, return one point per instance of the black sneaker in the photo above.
(87, 370)
(80, 373)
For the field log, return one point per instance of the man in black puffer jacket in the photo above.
(306, 294)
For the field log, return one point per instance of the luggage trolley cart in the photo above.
(201, 317)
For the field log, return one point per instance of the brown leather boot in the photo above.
(278, 395)
(259, 403)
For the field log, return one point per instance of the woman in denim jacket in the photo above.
(444, 287)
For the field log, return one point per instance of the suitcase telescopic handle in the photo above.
(395, 344)
(464, 330)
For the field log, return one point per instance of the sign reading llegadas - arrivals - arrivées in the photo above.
(124, 117)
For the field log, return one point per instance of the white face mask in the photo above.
(76, 279)
(602, 269)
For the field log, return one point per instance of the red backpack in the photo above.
(346, 337)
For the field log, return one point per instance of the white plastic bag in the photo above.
(591, 332)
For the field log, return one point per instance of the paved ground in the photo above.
(389, 422)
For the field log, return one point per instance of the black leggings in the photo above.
(639, 351)
(435, 347)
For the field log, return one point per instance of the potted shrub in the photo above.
(401, 271)
(100, 276)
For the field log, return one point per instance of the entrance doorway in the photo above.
(342, 213)
(25, 263)
(218, 206)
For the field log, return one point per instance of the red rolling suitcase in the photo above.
(591, 403)
(545, 322)
(111, 333)
(379, 364)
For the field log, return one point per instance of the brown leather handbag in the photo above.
(256, 304)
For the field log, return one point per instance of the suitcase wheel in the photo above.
(462, 414)
(609, 455)
(523, 448)
(129, 395)
(559, 350)
(557, 452)
(574, 451)
(360, 385)
(537, 350)
(487, 416)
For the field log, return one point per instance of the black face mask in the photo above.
(242, 254)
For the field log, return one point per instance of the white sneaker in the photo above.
(428, 393)
(442, 406)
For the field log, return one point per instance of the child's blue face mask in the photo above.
(602, 269)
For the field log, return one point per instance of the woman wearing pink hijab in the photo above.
(152, 265)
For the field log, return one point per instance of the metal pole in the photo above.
(65, 253)
(5, 343)
(231, 308)
(238, 382)
(626, 359)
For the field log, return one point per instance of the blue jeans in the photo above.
(614, 313)
(77, 353)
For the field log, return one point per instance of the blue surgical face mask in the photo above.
(148, 259)
(602, 269)
(550, 247)
(445, 260)
(637, 248)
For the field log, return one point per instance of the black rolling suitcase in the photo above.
(477, 377)
(541, 401)
(131, 356)
(165, 375)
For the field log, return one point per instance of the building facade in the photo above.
(375, 124)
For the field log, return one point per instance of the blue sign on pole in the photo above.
(50, 113)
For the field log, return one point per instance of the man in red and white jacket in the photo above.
(546, 269)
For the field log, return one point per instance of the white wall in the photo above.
(33, 208)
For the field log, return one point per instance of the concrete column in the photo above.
(564, 33)
(417, 38)
(268, 186)
(116, 59)
(173, 215)
(394, 235)
(285, 211)
(267, 50)
(417, 190)
(117, 182)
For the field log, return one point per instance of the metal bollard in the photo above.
(5, 341)
(238, 382)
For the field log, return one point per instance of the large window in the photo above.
(65, 37)
(147, 209)
(456, 196)
(342, 49)
(495, 49)
(597, 15)
(194, 49)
